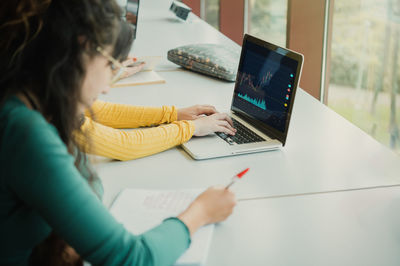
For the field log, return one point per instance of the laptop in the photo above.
(262, 102)
(133, 7)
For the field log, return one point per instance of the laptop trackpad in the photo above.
(209, 141)
(207, 146)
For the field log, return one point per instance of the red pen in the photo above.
(237, 177)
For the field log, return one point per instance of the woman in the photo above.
(175, 126)
(56, 59)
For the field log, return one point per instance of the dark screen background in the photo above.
(264, 85)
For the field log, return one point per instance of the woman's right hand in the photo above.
(219, 122)
(212, 206)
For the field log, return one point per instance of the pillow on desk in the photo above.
(211, 59)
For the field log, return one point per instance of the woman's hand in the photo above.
(218, 122)
(131, 70)
(195, 112)
(212, 206)
(131, 18)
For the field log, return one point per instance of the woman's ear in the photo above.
(81, 39)
(83, 42)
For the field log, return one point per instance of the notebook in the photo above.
(140, 78)
(140, 210)
(150, 62)
(262, 102)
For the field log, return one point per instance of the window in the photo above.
(212, 13)
(364, 66)
(267, 20)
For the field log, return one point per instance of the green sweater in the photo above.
(41, 190)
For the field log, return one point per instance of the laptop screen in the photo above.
(133, 9)
(266, 84)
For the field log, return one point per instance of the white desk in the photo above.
(324, 153)
(159, 30)
(358, 228)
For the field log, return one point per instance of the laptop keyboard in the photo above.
(243, 135)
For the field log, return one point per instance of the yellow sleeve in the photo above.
(128, 116)
(127, 145)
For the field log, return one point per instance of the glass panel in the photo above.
(364, 66)
(212, 13)
(267, 20)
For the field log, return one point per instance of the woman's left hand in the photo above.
(196, 111)
(131, 70)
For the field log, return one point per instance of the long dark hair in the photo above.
(42, 44)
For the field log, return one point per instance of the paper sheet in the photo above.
(141, 78)
(140, 210)
(151, 62)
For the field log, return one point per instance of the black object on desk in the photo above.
(180, 9)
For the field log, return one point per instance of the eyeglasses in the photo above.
(116, 66)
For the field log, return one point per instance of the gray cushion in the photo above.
(210, 59)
